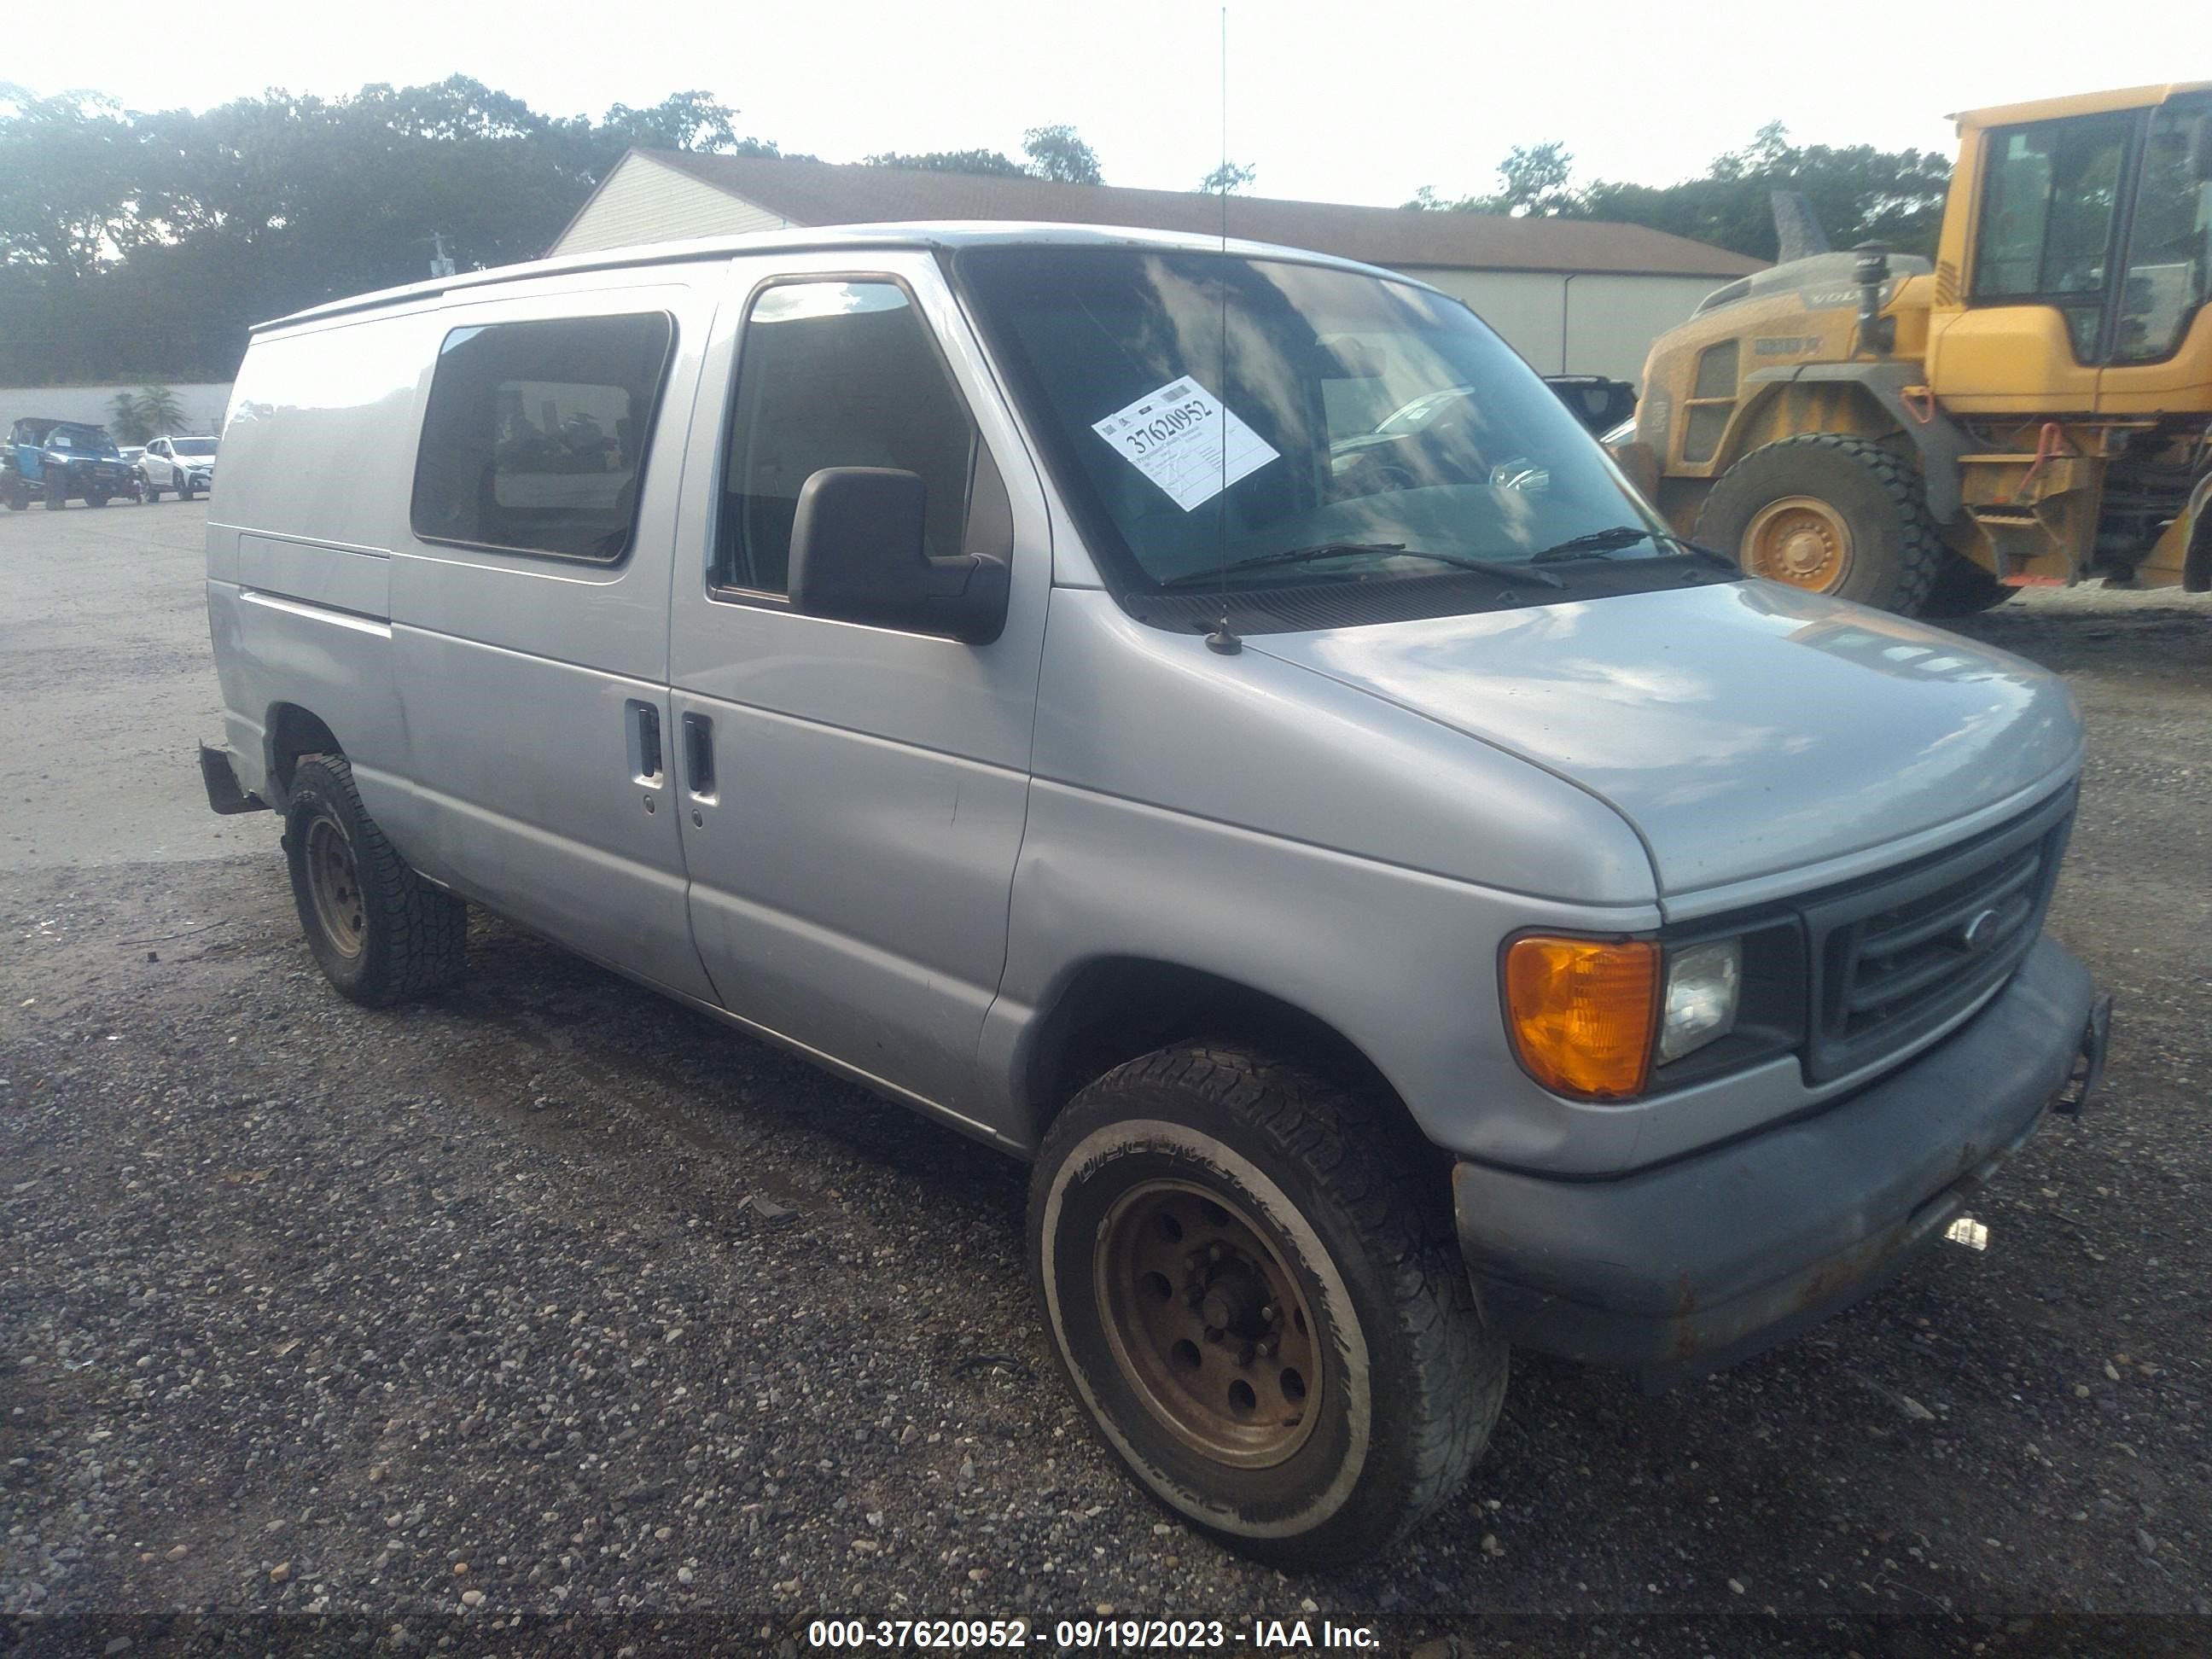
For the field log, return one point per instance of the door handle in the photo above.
(642, 731)
(699, 756)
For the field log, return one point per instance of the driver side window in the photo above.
(839, 373)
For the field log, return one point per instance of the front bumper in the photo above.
(1681, 1269)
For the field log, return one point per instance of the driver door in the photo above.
(853, 797)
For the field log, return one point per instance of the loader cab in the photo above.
(2076, 258)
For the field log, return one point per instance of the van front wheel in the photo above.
(1254, 1287)
(381, 933)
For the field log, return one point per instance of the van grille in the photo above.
(1895, 959)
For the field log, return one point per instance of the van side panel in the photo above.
(317, 442)
(522, 677)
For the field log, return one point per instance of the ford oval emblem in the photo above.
(1980, 933)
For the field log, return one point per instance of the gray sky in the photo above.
(1351, 102)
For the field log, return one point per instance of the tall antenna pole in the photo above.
(1224, 638)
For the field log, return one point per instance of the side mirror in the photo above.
(858, 554)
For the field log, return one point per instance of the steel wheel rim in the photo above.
(1799, 540)
(334, 883)
(1171, 1258)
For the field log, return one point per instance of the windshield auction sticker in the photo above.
(1183, 440)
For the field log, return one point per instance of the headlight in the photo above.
(1702, 986)
(1589, 1018)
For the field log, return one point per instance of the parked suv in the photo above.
(1400, 915)
(185, 465)
(52, 461)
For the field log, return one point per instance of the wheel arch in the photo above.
(1876, 405)
(1113, 1009)
(288, 732)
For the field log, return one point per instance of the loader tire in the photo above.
(1831, 514)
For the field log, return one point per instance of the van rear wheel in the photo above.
(1255, 1288)
(380, 932)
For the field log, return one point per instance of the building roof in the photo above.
(808, 193)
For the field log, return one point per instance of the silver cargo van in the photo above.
(1201, 717)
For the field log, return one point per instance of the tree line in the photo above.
(138, 247)
(1858, 194)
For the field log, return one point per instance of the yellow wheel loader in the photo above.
(2033, 408)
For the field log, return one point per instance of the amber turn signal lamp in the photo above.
(1583, 1011)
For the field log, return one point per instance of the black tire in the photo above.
(1962, 588)
(1355, 1208)
(97, 498)
(1894, 553)
(184, 489)
(400, 937)
(148, 493)
(19, 499)
(57, 497)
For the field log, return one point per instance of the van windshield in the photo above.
(1287, 423)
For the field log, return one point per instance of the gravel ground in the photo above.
(548, 1297)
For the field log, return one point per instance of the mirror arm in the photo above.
(969, 593)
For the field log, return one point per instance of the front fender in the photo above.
(1403, 964)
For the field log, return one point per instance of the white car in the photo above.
(184, 465)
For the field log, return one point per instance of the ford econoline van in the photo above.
(1404, 903)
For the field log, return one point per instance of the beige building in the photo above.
(1575, 297)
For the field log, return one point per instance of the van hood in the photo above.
(1742, 728)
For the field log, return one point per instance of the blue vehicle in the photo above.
(53, 460)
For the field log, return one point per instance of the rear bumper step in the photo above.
(224, 792)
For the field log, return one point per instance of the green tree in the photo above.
(1057, 154)
(158, 411)
(1532, 182)
(1858, 192)
(987, 162)
(125, 423)
(1228, 179)
(68, 176)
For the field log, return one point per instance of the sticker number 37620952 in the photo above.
(1183, 440)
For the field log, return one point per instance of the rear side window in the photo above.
(835, 373)
(535, 437)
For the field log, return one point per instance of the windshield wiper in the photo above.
(1612, 540)
(1500, 569)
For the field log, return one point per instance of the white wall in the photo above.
(204, 404)
(1585, 324)
(643, 201)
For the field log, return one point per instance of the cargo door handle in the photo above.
(699, 756)
(642, 733)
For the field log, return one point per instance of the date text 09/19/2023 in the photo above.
(1078, 1634)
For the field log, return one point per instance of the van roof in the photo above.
(926, 234)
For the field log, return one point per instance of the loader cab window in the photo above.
(2169, 269)
(2049, 195)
